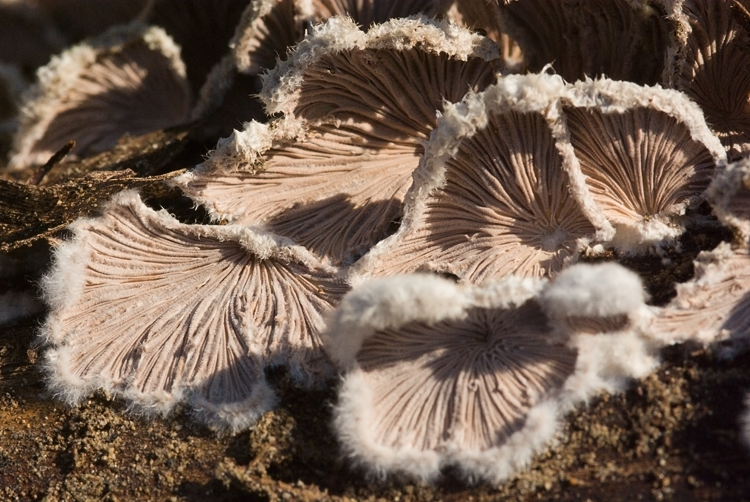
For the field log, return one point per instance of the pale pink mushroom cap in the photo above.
(443, 379)
(491, 197)
(484, 16)
(332, 173)
(474, 377)
(130, 80)
(714, 305)
(269, 28)
(643, 154)
(160, 312)
(711, 69)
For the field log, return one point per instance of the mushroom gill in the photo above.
(491, 197)
(129, 80)
(332, 172)
(620, 39)
(269, 28)
(714, 305)
(160, 312)
(471, 384)
(645, 155)
(473, 377)
(711, 70)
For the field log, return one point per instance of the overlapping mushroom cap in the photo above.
(710, 67)
(619, 39)
(160, 312)
(491, 197)
(269, 28)
(331, 174)
(644, 153)
(715, 304)
(519, 178)
(468, 376)
(130, 80)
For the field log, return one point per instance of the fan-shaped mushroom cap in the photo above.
(712, 306)
(331, 175)
(711, 68)
(269, 28)
(620, 39)
(729, 194)
(448, 384)
(645, 154)
(130, 80)
(158, 312)
(491, 197)
(472, 376)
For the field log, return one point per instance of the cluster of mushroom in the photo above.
(410, 218)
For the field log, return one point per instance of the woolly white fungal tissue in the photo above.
(440, 374)
(600, 290)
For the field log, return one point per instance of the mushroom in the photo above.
(620, 39)
(130, 80)
(491, 197)
(269, 28)
(710, 67)
(332, 171)
(160, 312)
(713, 305)
(474, 377)
(202, 29)
(729, 195)
(445, 375)
(645, 155)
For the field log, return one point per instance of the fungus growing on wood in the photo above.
(491, 197)
(645, 154)
(331, 174)
(160, 312)
(474, 377)
(710, 69)
(620, 39)
(130, 80)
